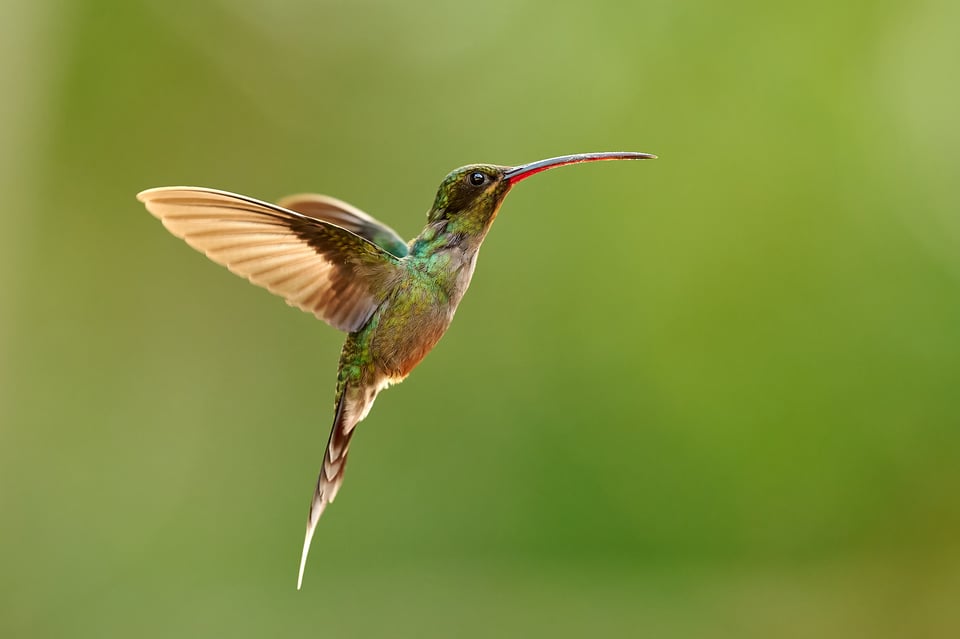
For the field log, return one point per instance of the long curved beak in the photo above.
(524, 171)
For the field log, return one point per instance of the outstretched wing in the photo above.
(330, 209)
(316, 266)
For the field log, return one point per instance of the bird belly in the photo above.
(408, 328)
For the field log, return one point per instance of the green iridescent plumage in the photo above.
(327, 257)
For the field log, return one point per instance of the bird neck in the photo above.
(444, 235)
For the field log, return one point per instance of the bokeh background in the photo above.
(715, 395)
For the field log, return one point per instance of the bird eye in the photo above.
(477, 178)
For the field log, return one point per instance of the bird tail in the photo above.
(352, 406)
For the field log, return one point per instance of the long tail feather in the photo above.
(352, 406)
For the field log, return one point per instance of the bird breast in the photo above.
(408, 326)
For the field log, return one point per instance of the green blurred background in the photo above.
(714, 395)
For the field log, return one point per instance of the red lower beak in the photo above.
(524, 171)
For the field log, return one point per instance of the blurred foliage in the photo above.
(712, 395)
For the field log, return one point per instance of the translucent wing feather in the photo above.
(330, 209)
(319, 267)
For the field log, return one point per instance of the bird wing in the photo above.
(316, 266)
(330, 209)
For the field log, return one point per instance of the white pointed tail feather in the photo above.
(311, 527)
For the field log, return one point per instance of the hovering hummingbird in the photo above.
(393, 298)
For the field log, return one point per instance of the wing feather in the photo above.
(330, 209)
(332, 271)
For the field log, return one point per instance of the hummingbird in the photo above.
(394, 299)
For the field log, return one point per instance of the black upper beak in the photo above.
(524, 171)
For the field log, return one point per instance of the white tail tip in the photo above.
(311, 527)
